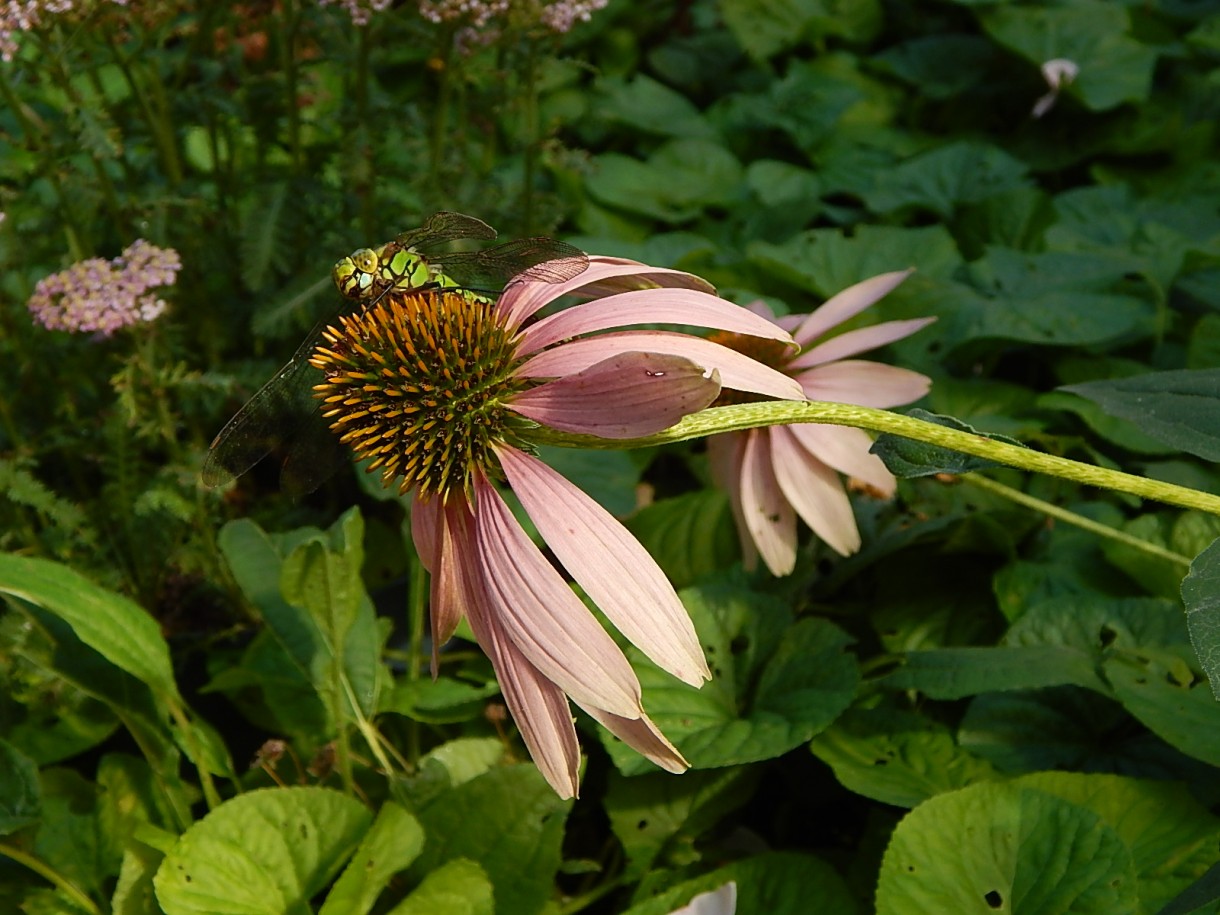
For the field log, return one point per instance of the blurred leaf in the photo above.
(610, 477)
(1201, 595)
(906, 457)
(72, 839)
(107, 622)
(1006, 848)
(264, 246)
(774, 684)
(20, 793)
(645, 104)
(510, 823)
(267, 851)
(1180, 408)
(766, 27)
(690, 536)
(390, 845)
(676, 184)
(954, 673)
(1114, 68)
(947, 177)
(896, 757)
(940, 66)
(457, 887)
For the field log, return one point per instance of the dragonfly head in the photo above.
(355, 274)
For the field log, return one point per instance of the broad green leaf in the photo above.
(1180, 408)
(1172, 838)
(1098, 625)
(774, 683)
(940, 66)
(444, 700)
(610, 477)
(510, 823)
(20, 792)
(826, 261)
(954, 673)
(391, 844)
(808, 103)
(946, 178)
(1184, 535)
(1201, 595)
(907, 457)
(1204, 892)
(1122, 432)
(773, 882)
(998, 847)
(326, 582)
(109, 623)
(134, 893)
(676, 184)
(645, 104)
(268, 851)
(72, 839)
(131, 797)
(457, 887)
(896, 757)
(1114, 68)
(766, 27)
(655, 815)
(690, 536)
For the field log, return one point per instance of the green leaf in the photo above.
(655, 813)
(766, 27)
(774, 684)
(826, 261)
(940, 66)
(1172, 838)
(610, 477)
(690, 536)
(72, 838)
(998, 847)
(645, 104)
(1114, 68)
(109, 623)
(906, 457)
(676, 184)
(457, 887)
(264, 228)
(953, 673)
(896, 757)
(510, 823)
(947, 177)
(1201, 595)
(134, 893)
(20, 793)
(391, 844)
(1180, 408)
(268, 851)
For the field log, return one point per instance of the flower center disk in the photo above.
(416, 383)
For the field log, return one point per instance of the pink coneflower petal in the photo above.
(815, 491)
(642, 736)
(542, 616)
(425, 521)
(858, 341)
(625, 396)
(604, 276)
(847, 451)
(847, 304)
(609, 563)
(737, 371)
(869, 384)
(650, 306)
(769, 517)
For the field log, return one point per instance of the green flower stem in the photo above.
(1070, 517)
(773, 413)
(44, 870)
(187, 731)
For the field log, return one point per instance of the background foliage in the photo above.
(211, 702)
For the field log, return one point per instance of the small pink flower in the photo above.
(774, 474)
(442, 392)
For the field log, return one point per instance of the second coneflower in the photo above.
(441, 390)
(774, 474)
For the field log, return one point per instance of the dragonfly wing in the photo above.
(539, 259)
(445, 227)
(315, 455)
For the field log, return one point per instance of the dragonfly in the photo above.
(284, 412)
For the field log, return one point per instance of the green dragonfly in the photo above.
(284, 412)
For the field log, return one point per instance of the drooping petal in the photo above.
(542, 616)
(846, 450)
(609, 563)
(724, 460)
(815, 491)
(846, 304)
(644, 737)
(868, 384)
(438, 532)
(858, 341)
(768, 516)
(425, 518)
(604, 276)
(625, 396)
(649, 306)
(537, 705)
(737, 371)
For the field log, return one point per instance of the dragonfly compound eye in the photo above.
(366, 259)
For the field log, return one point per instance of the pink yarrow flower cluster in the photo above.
(556, 15)
(442, 391)
(774, 474)
(17, 16)
(101, 296)
(360, 11)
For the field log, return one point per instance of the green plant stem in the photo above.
(44, 870)
(773, 413)
(210, 795)
(1070, 517)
